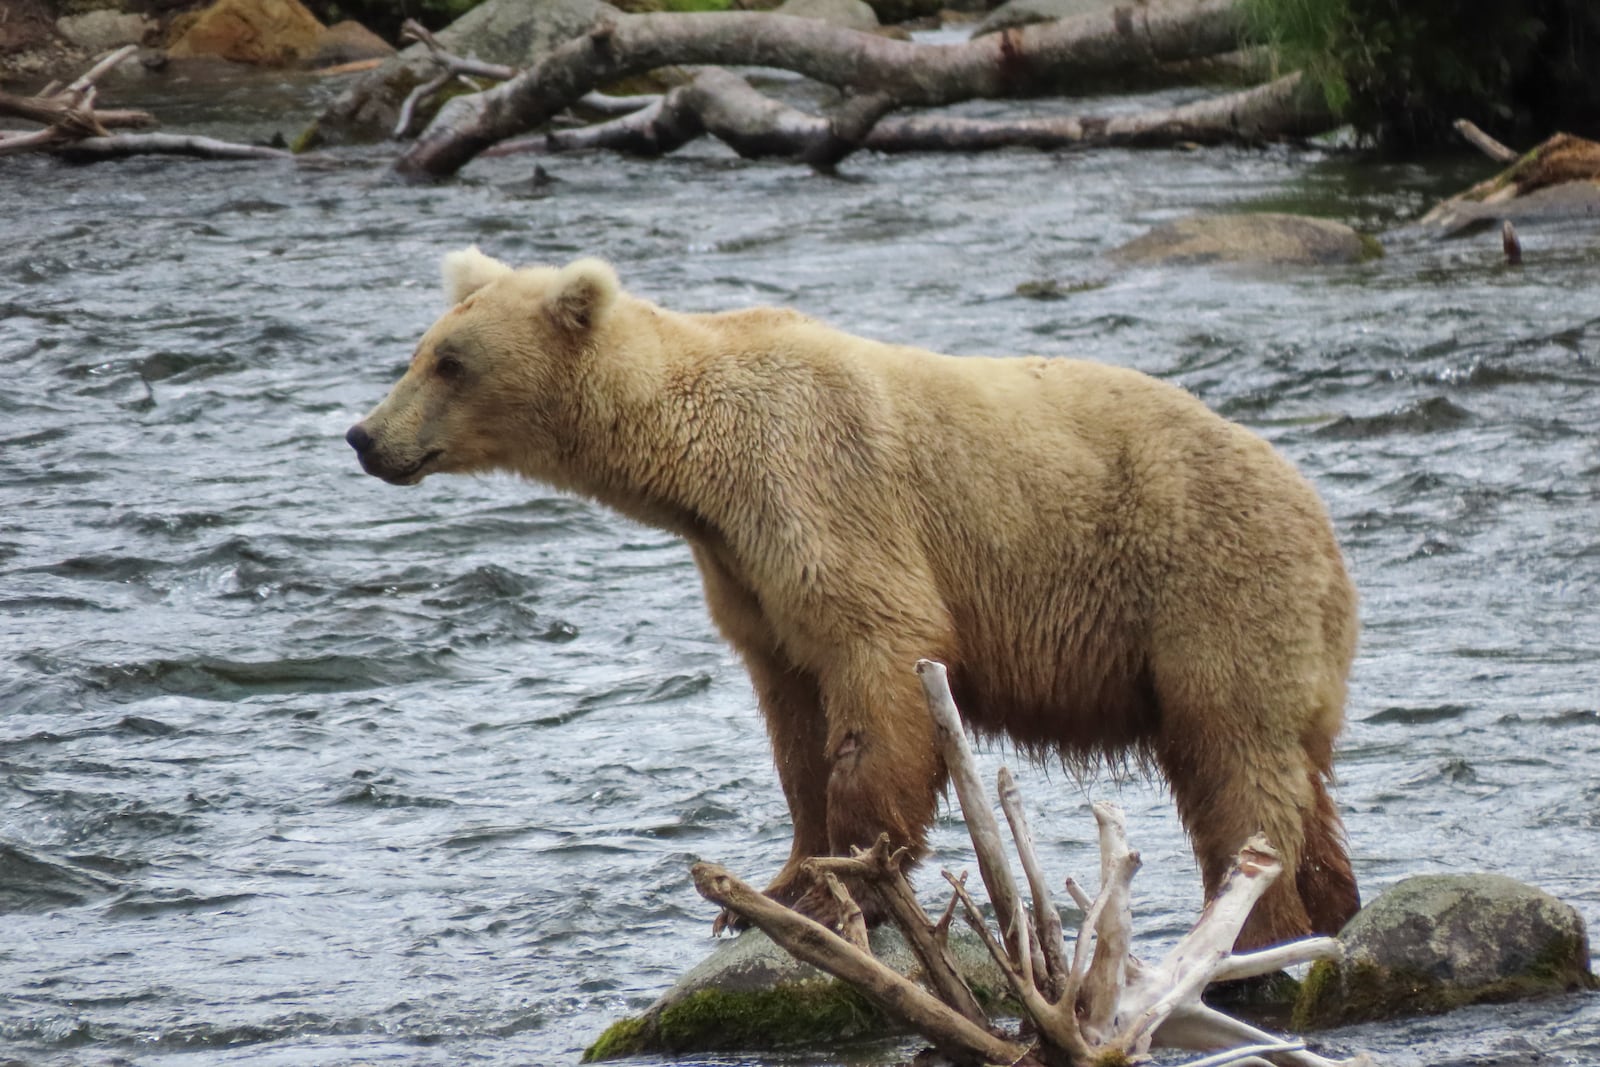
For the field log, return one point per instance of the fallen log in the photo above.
(1097, 1004)
(721, 104)
(881, 74)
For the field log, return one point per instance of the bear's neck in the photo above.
(653, 418)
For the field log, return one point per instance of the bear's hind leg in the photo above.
(1227, 790)
(1326, 883)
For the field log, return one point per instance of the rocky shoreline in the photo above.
(38, 44)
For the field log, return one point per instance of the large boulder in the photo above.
(751, 994)
(104, 30)
(514, 33)
(268, 33)
(349, 42)
(1436, 942)
(1264, 239)
(851, 14)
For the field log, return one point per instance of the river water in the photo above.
(297, 767)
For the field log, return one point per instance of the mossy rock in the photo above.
(1265, 238)
(1438, 942)
(751, 995)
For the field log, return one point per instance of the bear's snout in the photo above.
(359, 439)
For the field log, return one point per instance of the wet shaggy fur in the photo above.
(1107, 567)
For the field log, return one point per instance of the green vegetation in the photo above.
(1401, 71)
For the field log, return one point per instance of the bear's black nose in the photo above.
(359, 438)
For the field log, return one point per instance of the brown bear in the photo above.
(1108, 568)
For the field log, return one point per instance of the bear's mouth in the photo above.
(413, 474)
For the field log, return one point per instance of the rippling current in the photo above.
(301, 768)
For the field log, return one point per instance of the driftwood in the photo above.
(68, 114)
(1094, 1004)
(879, 75)
(74, 127)
(724, 105)
(1553, 180)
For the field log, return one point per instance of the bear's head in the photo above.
(492, 381)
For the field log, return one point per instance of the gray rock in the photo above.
(1252, 238)
(349, 42)
(1026, 12)
(515, 33)
(1437, 942)
(101, 31)
(851, 14)
(750, 994)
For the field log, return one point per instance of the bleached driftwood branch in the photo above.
(1098, 1004)
(75, 128)
(881, 74)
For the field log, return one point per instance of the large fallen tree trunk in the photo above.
(880, 74)
(722, 104)
(1096, 1004)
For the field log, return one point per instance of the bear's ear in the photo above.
(467, 271)
(582, 293)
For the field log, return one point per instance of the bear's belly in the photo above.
(1080, 718)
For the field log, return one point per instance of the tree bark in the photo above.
(888, 73)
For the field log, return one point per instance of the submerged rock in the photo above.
(514, 33)
(1248, 238)
(1437, 942)
(751, 994)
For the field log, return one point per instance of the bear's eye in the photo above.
(448, 368)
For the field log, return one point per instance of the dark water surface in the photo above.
(300, 768)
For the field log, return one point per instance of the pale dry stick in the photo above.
(981, 825)
(87, 79)
(1198, 1026)
(852, 923)
(809, 941)
(884, 871)
(1046, 920)
(1188, 968)
(1484, 143)
(1055, 1023)
(1099, 990)
(168, 144)
(1246, 1055)
(1271, 960)
(13, 142)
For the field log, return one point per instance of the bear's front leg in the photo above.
(884, 769)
